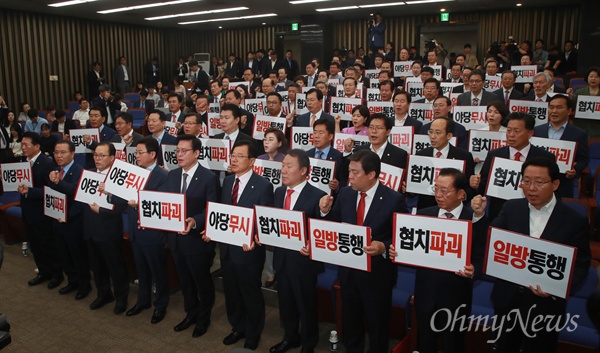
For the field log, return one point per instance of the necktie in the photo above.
(174, 118)
(61, 174)
(518, 156)
(538, 100)
(320, 154)
(184, 184)
(288, 199)
(506, 94)
(360, 210)
(312, 120)
(310, 81)
(448, 215)
(234, 192)
(475, 102)
(142, 104)
(438, 154)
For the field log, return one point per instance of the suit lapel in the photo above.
(193, 182)
(248, 189)
(376, 204)
(302, 197)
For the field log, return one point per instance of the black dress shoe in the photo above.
(54, 282)
(233, 337)
(136, 309)
(70, 287)
(251, 345)
(37, 280)
(157, 316)
(120, 307)
(183, 325)
(100, 302)
(199, 330)
(283, 346)
(83, 293)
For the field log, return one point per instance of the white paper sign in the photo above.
(263, 122)
(162, 210)
(437, 72)
(423, 172)
(76, 136)
(472, 118)
(421, 142)
(87, 190)
(421, 111)
(525, 260)
(447, 87)
(214, 153)
(256, 106)
(302, 138)
(372, 75)
(214, 108)
(343, 107)
(402, 136)
(229, 224)
(171, 128)
(391, 176)
(524, 73)
(563, 150)
(415, 89)
(431, 242)
(373, 95)
(588, 107)
(214, 124)
(386, 108)
(403, 68)
(322, 171)
(504, 179)
(270, 170)
(130, 152)
(492, 83)
(55, 204)
(339, 244)
(125, 180)
(537, 109)
(169, 157)
(280, 228)
(14, 174)
(339, 138)
(483, 141)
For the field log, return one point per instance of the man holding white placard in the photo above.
(541, 215)
(402, 101)
(323, 134)
(156, 126)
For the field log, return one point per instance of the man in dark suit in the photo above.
(242, 267)
(181, 69)
(296, 272)
(291, 65)
(552, 87)
(436, 289)
(62, 124)
(376, 33)
(103, 230)
(402, 101)
(95, 79)
(148, 245)
(314, 104)
(431, 90)
(324, 131)
(442, 106)
(568, 60)
(156, 126)
(518, 132)
(559, 128)
(175, 114)
(380, 127)
(37, 226)
(123, 77)
(251, 63)
(69, 232)
(152, 71)
(192, 256)
(367, 203)
(230, 124)
(554, 221)
(233, 68)
(233, 96)
(508, 90)
(96, 121)
(145, 103)
(125, 133)
(272, 63)
(439, 137)
(465, 87)
(455, 74)
(477, 96)
(106, 102)
(541, 82)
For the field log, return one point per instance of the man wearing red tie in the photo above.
(366, 202)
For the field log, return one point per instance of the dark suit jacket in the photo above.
(304, 119)
(259, 191)
(113, 106)
(582, 158)
(32, 205)
(486, 98)
(232, 69)
(107, 225)
(134, 141)
(293, 262)
(532, 97)
(565, 226)
(120, 75)
(184, 69)
(148, 105)
(293, 69)
(166, 140)
(202, 187)
(255, 65)
(392, 155)
(249, 122)
(68, 186)
(69, 124)
(413, 122)
(267, 66)
(462, 138)
(149, 71)
(94, 84)
(240, 137)
(514, 94)
(213, 71)
(341, 164)
(459, 89)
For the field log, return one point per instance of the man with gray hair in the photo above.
(541, 82)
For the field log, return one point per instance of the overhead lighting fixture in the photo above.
(220, 27)
(442, 10)
(519, 4)
(299, 2)
(425, 1)
(229, 19)
(69, 3)
(338, 8)
(381, 5)
(196, 13)
(146, 6)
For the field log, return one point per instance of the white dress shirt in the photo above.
(297, 190)
(244, 179)
(539, 218)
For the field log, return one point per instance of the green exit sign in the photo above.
(444, 17)
(294, 26)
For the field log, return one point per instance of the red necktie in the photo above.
(518, 156)
(506, 96)
(360, 211)
(438, 154)
(288, 199)
(234, 192)
(61, 174)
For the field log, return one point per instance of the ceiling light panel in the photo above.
(145, 6)
(198, 13)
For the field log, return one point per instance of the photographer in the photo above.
(376, 33)
(523, 49)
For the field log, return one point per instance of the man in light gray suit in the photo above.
(123, 76)
(477, 96)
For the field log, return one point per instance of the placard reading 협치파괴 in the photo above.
(524, 73)
(280, 228)
(76, 136)
(162, 210)
(214, 153)
(587, 107)
(421, 111)
(125, 180)
(87, 190)
(55, 204)
(431, 242)
(270, 170)
(229, 224)
(421, 142)
(343, 107)
(402, 136)
(14, 174)
(504, 179)
(423, 172)
(483, 141)
(564, 151)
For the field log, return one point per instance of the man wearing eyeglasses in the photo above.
(192, 125)
(314, 104)
(540, 215)
(192, 256)
(442, 106)
(103, 230)
(431, 89)
(125, 133)
(477, 96)
(275, 105)
(156, 126)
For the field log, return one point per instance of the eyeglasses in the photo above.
(61, 153)
(136, 153)
(475, 81)
(537, 183)
(182, 151)
(187, 123)
(100, 156)
(377, 128)
(237, 156)
(443, 192)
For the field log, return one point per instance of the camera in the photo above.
(430, 44)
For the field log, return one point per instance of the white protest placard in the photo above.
(260, 95)
(119, 146)
(301, 103)
(423, 172)
(125, 180)
(391, 176)
(403, 68)
(402, 136)
(233, 85)
(447, 87)
(415, 89)
(130, 154)
(280, 228)
(343, 107)
(214, 153)
(263, 122)
(483, 141)
(87, 190)
(14, 174)
(588, 107)
(524, 260)
(339, 138)
(162, 210)
(564, 151)
(537, 109)
(322, 171)
(339, 244)
(524, 73)
(472, 118)
(256, 106)
(421, 142)
(437, 72)
(76, 136)
(284, 95)
(302, 138)
(270, 170)
(285, 108)
(214, 108)
(214, 124)
(492, 83)
(372, 75)
(333, 81)
(386, 108)
(171, 128)
(421, 111)
(229, 224)
(339, 92)
(55, 204)
(504, 179)
(169, 157)
(431, 242)
(454, 98)
(373, 95)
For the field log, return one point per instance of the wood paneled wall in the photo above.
(35, 46)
